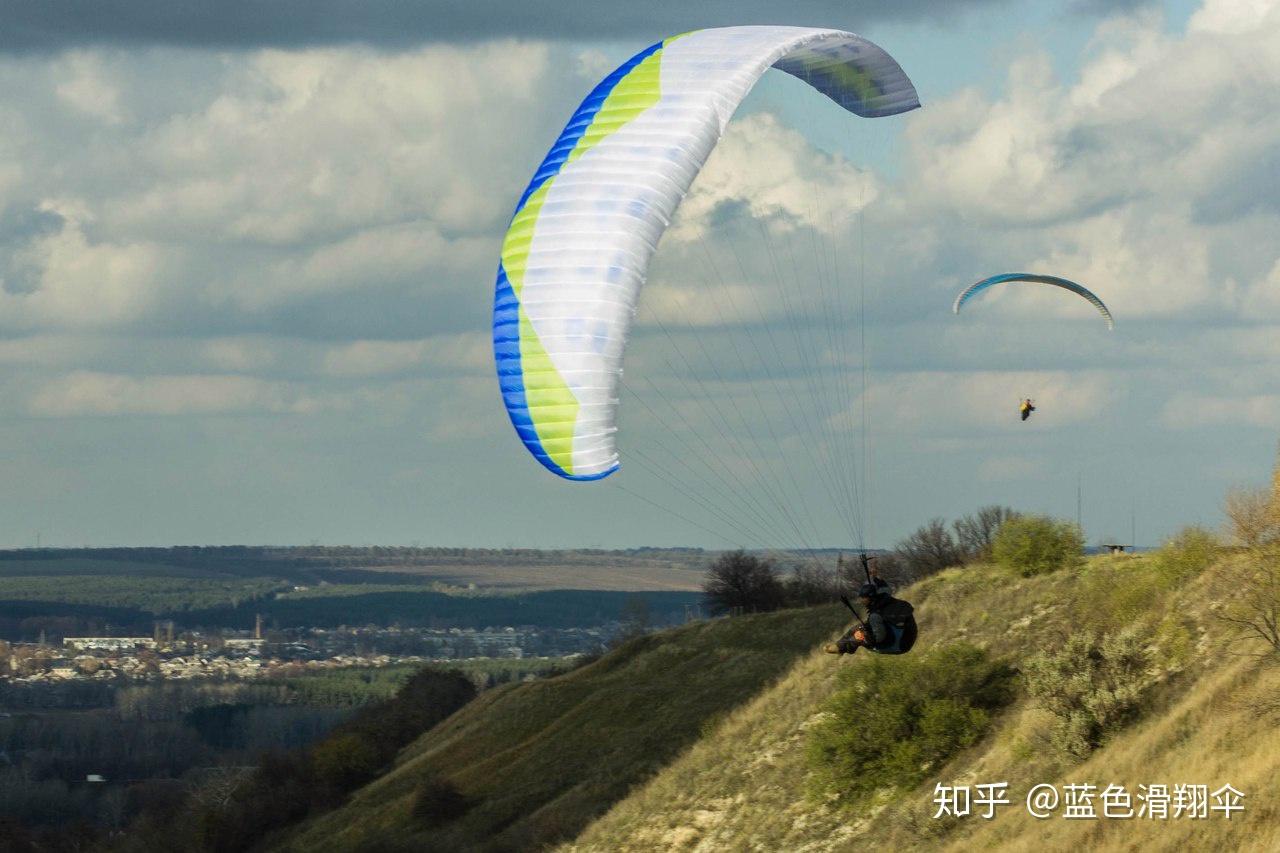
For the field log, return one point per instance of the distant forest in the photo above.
(334, 563)
(124, 591)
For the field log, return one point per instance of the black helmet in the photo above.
(868, 590)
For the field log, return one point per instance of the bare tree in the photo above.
(929, 550)
(976, 533)
(634, 618)
(1254, 607)
(811, 584)
(888, 566)
(1252, 578)
(217, 786)
(1251, 516)
(741, 581)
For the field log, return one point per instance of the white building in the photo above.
(109, 644)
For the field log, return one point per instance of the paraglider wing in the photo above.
(579, 243)
(1033, 278)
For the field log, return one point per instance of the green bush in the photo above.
(1037, 544)
(894, 719)
(1119, 593)
(438, 802)
(345, 762)
(1092, 687)
(1190, 551)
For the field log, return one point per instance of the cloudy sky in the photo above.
(247, 256)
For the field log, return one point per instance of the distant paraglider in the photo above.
(1033, 278)
(1026, 408)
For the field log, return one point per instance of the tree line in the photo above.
(236, 809)
(739, 581)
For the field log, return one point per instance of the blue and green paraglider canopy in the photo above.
(1034, 278)
(579, 244)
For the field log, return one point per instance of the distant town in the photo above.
(230, 655)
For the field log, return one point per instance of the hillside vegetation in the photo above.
(702, 738)
(1205, 714)
(534, 763)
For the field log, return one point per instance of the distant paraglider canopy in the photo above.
(1065, 284)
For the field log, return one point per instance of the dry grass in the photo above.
(1210, 737)
(736, 777)
(744, 786)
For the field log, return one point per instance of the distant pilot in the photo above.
(1027, 408)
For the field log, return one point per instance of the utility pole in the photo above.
(1079, 479)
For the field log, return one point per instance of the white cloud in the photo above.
(305, 145)
(1263, 300)
(1004, 162)
(89, 393)
(391, 253)
(83, 283)
(693, 300)
(51, 349)
(84, 84)
(777, 175)
(929, 401)
(1190, 410)
(277, 233)
(456, 354)
(242, 354)
(593, 64)
(1126, 255)
(1230, 16)
(1138, 178)
(280, 178)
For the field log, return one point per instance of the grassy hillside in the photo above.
(696, 739)
(540, 760)
(747, 785)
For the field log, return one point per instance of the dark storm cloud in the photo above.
(57, 24)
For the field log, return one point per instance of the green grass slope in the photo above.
(746, 785)
(540, 760)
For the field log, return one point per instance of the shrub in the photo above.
(1037, 544)
(347, 761)
(1091, 686)
(1190, 551)
(895, 719)
(1114, 594)
(438, 802)
(425, 699)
